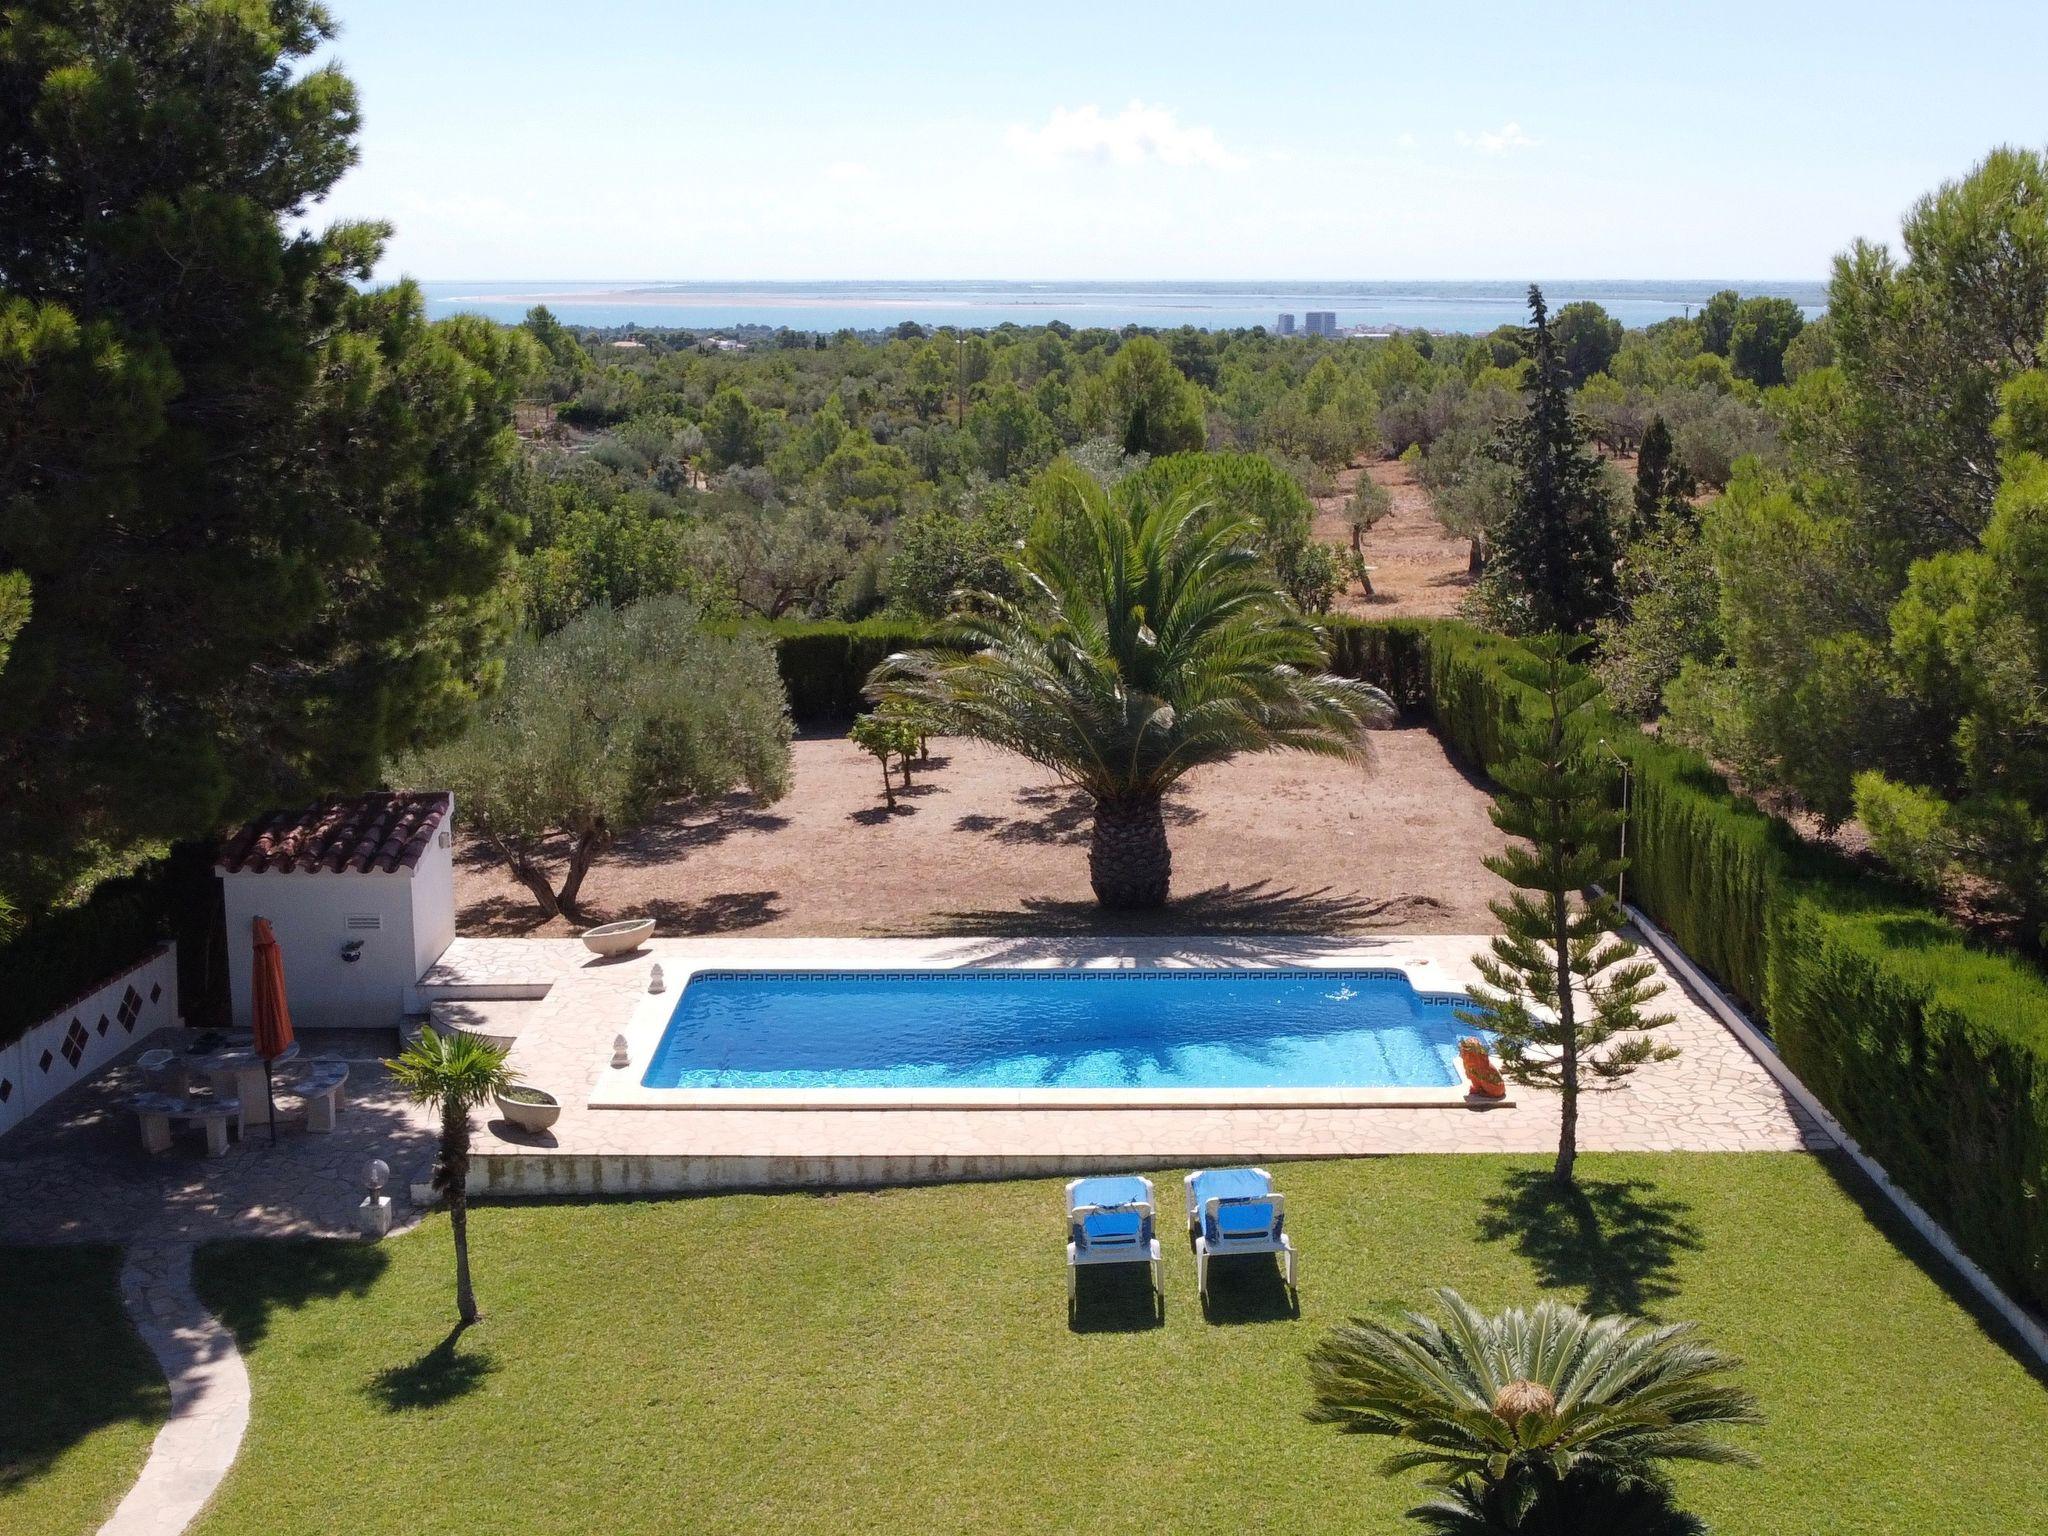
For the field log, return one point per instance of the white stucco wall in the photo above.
(310, 913)
(433, 899)
(75, 1042)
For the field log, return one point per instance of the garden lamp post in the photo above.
(1627, 775)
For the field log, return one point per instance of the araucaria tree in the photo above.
(599, 723)
(1544, 1421)
(258, 506)
(1552, 568)
(1151, 639)
(453, 1073)
(1564, 992)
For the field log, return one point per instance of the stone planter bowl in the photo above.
(619, 938)
(531, 1117)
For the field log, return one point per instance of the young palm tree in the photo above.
(455, 1072)
(1151, 639)
(1530, 1420)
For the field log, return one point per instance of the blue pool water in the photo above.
(1057, 1029)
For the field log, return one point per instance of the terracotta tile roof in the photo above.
(364, 833)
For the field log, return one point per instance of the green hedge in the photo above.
(1931, 1050)
(824, 665)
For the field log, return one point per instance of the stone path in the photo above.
(209, 1392)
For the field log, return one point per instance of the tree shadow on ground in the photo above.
(499, 917)
(69, 1365)
(1885, 1216)
(671, 832)
(244, 1282)
(1056, 816)
(723, 912)
(1616, 1240)
(1257, 908)
(1115, 1298)
(439, 1376)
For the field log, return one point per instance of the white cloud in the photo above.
(1134, 136)
(849, 170)
(1405, 141)
(1507, 136)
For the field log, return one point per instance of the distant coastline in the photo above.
(1473, 306)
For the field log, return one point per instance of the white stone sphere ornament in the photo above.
(373, 1216)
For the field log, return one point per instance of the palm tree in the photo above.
(1533, 1421)
(456, 1073)
(1151, 639)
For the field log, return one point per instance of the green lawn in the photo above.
(903, 1360)
(80, 1397)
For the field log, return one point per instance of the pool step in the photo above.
(498, 1021)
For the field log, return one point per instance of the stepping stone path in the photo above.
(209, 1392)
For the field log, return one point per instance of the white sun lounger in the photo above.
(1234, 1211)
(1111, 1221)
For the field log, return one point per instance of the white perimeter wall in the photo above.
(75, 1042)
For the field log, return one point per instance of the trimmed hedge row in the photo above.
(825, 665)
(1932, 1051)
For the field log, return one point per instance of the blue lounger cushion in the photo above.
(1104, 1229)
(1242, 1221)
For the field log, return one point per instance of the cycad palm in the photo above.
(453, 1073)
(1150, 640)
(1520, 1415)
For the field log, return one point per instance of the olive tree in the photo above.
(601, 722)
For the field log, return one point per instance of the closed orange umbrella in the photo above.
(270, 1014)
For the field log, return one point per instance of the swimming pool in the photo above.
(1057, 1029)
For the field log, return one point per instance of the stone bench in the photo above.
(156, 1112)
(318, 1087)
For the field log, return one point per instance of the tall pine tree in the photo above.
(1553, 555)
(258, 506)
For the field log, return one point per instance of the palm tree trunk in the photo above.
(454, 1181)
(1129, 862)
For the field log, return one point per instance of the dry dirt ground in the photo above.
(988, 843)
(1419, 570)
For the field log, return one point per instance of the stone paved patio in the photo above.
(76, 1171)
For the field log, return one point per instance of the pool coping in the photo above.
(618, 1085)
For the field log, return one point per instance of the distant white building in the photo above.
(361, 895)
(1285, 325)
(1320, 322)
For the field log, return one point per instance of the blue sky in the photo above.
(632, 139)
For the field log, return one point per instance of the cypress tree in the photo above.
(1662, 484)
(1564, 992)
(1553, 563)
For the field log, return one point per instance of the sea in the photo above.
(867, 306)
